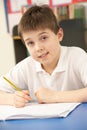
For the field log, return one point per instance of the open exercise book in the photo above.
(34, 110)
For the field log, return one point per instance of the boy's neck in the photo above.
(49, 68)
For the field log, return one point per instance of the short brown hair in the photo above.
(36, 18)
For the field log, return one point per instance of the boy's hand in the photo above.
(21, 98)
(45, 95)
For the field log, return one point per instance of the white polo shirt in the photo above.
(69, 74)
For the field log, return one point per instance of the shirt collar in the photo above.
(38, 67)
(61, 66)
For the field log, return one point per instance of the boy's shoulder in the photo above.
(73, 49)
(28, 61)
(73, 53)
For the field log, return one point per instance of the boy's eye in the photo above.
(29, 43)
(43, 37)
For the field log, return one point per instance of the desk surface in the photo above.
(76, 120)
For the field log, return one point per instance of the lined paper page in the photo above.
(37, 111)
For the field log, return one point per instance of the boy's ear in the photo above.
(60, 34)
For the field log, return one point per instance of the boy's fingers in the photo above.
(27, 96)
(24, 95)
(26, 92)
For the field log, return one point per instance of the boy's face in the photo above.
(43, 45)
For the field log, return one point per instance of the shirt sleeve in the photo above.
(15, 75)
(80, 65)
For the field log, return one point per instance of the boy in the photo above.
(52, 73)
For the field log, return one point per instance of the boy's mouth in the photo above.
(43, 55)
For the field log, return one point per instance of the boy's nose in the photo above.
(39, 47)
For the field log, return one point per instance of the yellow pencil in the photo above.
(12, 84)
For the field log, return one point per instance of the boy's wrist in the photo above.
(59, 97)
(9, 98)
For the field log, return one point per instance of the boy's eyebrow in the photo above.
(38, 35)
(42, 33)
(27, 39)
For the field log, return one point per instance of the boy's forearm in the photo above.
(6, 98)
(45, 95)
(72, 96)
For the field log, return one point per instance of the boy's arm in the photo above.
(79, 95)
(6, 98)
(45, 95)
(17, 99)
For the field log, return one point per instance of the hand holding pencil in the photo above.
(20, 97)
